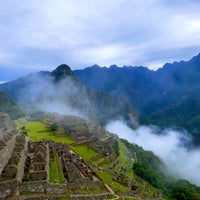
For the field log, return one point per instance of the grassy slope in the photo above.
(38, 131)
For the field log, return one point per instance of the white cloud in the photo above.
(80, 33)
(168, 145)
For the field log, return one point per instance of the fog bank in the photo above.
(168, 145)
(41, 93)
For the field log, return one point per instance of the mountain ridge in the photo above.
(61, 91)
(152, 92)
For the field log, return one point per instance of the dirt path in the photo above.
(112, 192)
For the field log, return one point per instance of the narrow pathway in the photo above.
(112, 192)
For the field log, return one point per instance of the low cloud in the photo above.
(168, 144)
(66, 96)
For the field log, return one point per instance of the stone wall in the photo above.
(8, 133)
(37, 162)
(21, 163)
(5, 153)
(90, 197)
(8, 188)
(85, 183)
(43, 187)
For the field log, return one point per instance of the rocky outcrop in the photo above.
(8, 134)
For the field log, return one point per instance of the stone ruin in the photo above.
(12, 154)
(37, 162)
(76, 172)
(8, 133)
(24, 166)
(95, 137)
(14, 168)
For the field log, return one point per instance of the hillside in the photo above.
(7, 105)
(168, 97)
(77, 160)
(60, 91)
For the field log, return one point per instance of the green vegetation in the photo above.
(106, 177)
(56, 173)
(132, 162)
(183, 190)
(54, 127)
(147, 173)
(148, 167)
(23, 130)
(38, 131)
(116, 147)
(84, 151)
(125, 156)
(7, 105)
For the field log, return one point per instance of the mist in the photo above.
(168, 144)
(66, 96)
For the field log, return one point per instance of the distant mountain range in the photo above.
(60, 91)
(169, 96)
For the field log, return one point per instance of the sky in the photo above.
(40, 35)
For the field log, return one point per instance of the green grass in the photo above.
(59, 168)
(56, 173)
(53, 172)
(106, 177)
(26, 193)
(99, 160)
(106, 165)
(85, 152)
(38, 131)
(123, 157)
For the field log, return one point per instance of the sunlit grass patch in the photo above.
(56, 173)
(106, 177)
(84, 151)
(38, 131)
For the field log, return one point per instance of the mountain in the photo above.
(7, 105)
(169, 96)
(60, 91)
(128, 82)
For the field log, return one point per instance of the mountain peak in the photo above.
(61, 72)
(196, 58)
(113, 66)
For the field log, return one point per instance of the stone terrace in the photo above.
(25, 166)
(37, 162)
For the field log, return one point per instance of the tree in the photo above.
(54, 127)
